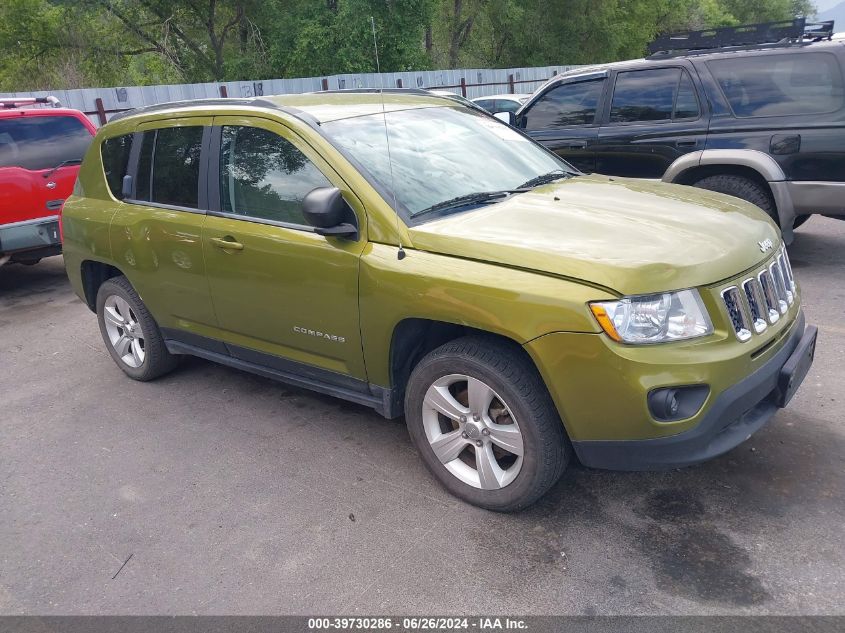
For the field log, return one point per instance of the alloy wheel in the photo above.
(124, 331)
(472, 431)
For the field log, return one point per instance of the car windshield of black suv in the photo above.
(445, 159)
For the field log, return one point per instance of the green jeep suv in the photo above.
(422, 258)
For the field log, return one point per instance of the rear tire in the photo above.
(501, 445)
(130, 333)
(743, 188)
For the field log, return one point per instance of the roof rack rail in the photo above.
(249, 101)
(784, 33)
(16, 102)
(418, 91)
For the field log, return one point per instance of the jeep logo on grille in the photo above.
(765, 245)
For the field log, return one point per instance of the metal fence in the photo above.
(100, 103)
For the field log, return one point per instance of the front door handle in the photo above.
(228, 244)
(686, 143)
(577, 145)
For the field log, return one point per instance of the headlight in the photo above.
(660, 318)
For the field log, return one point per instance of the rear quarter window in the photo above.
(779, 85)
(42, 142)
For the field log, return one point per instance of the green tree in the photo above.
(52, 44)
(336, 37)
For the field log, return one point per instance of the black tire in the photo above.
(512, 375)
(743, 188)
(157, 360)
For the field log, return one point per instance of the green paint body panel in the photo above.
(633, 236)
(599, 386)
(524, 269)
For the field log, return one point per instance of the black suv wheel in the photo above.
(485, 424)
(743, 188)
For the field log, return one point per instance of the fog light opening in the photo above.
(669, 404)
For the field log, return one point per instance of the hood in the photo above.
(631, 236)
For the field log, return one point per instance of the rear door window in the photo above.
(115, 152)
(659, 94)
(42, 142)
(565, 106)
(777, 85)
(169, 166)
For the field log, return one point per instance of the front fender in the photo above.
(518, 304)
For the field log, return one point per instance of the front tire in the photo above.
(484, 423)
(130, 333)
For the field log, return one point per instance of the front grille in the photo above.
(761, 300)
(756, 303)
(736, 313)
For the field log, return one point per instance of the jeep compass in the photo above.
(408, 253)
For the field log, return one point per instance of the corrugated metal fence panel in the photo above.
(479, 83)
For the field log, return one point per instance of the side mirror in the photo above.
(507, 117)
(325, 209)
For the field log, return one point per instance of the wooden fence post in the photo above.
(325, 84)
(463, 88)
(510, 84)
(101, 111)
(224, 92)
(399, 83)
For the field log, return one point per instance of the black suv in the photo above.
(757, 112)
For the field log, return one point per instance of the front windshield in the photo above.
(440, 154)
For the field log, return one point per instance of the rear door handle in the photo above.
(686, 143)
(577, 144)
(228, 244)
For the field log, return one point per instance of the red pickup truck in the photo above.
(41, 146)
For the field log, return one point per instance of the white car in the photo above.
(502, 102)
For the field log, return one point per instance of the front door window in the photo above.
(264, 176)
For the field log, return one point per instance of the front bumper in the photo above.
(732, 418)
(34, 238)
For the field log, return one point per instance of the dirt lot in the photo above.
(234, 494)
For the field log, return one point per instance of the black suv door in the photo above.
(563, 118)
(789, 104)
(654, 116)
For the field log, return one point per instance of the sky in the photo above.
(824, 5)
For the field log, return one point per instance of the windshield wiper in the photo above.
(469, 199)
(557, 174)
(72, 161)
